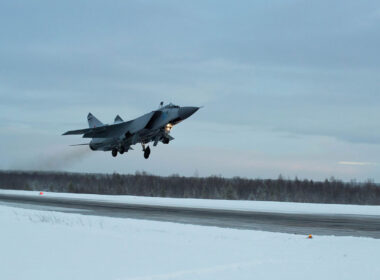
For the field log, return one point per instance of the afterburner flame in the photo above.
(168, 127)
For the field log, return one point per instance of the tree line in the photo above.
(213, 187)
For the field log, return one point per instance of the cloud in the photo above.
(308, 71)
(358, 163)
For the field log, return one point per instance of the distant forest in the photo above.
(214, 187)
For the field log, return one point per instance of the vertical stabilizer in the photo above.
(92, 121)
(118, 119)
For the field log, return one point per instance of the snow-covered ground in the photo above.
(262, 206)
(51, 245)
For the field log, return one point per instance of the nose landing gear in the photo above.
(121, 150)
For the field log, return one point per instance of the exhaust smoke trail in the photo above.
(63, 159)
(56, 159)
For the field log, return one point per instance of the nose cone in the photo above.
(185, 112)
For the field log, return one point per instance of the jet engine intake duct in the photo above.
(152, 120)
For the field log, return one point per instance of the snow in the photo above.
(260, 206)
(52, 245)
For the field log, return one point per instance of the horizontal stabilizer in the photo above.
(84, 144)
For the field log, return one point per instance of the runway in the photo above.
(298, 223)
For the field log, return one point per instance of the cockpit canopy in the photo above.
(170, 106)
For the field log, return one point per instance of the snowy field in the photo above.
(50, 245)
(261, 206)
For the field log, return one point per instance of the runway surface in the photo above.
(319, 224)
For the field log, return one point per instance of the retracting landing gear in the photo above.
(121, 150)
(114, 152)
(146, 151)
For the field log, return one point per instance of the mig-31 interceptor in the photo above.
(121, 135)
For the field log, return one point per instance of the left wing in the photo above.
(104, 131)
(83, 131)
(118, 129)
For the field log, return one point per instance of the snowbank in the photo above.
(51, 245)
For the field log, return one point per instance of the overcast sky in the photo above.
(288, 87)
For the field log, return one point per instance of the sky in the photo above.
(288, 87)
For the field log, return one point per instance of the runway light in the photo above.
(41, 193)
(310, 236)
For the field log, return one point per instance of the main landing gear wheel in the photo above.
(121, 150)
(114, 152)
(147, 152)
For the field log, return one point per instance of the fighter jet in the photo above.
(121, 135)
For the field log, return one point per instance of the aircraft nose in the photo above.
(185, 112)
